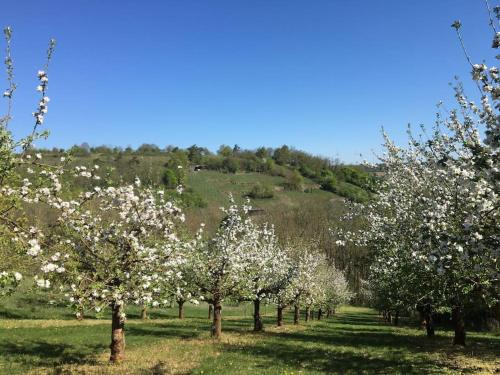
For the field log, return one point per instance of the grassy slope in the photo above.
(353, 342)
(214, 187)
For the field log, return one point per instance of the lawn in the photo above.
(354, 341)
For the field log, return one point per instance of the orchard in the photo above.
(104, 246)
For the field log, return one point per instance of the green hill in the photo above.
(214, 188)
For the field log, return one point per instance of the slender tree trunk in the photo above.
(389, 317)
(320, 313)
(257, 319)
(117, 334)
(217, 322)
(396, 318)
(311, 314)
(144, 313)
(308, 313)
(210, 309)
(181, 309)
(429, 325)
(79, 314)
(328, 312)
(296, 314)
(457, 314)
(421, 316)
(280, 316)
(426, 316)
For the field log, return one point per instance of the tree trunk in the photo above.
(210, 309)
(457, 314)
(217, 322)
(117, 334)
(429, 325)
(421, 316)
(296, 314)
(328, 312)
(280, 316)
(308, 313)
(426, 316)
(79, 314)
(320, 313)
(144, 313)
(257, 319)
(396, 318)
(181, 309)
(389, 317)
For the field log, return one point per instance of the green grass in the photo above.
(355, 341)
(214, 187)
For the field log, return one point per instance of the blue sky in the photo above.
(322, 75)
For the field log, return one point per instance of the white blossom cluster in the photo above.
(115, 245)
(14, 190)
(9, 281)
(434, 228)
(220, 264)
(315, 282)
(245, 261)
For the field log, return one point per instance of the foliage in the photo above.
(15, 232)
(218, 263)
(230, 164)
(114, 246)
(433, 228)
(295, 181)
(170, 179)
(260, 191)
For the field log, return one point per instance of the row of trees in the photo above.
(433, 228)
(109, 246)
(119, 246)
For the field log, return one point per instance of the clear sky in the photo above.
(319, 75)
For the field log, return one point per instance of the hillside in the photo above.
(170, 167)
(284, 185)
(293, 192)
(214, 188)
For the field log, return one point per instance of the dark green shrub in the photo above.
(230, 165)
(170, 179)
(260, 191)
(295, 181)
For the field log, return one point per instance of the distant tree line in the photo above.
(352, 182)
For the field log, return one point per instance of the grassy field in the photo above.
(214, 187)
(355, 341)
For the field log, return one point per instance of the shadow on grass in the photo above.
(332, 361)
(165, 331)
(340, 345)
(347, 343)
(43, 353)
(188, 328)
